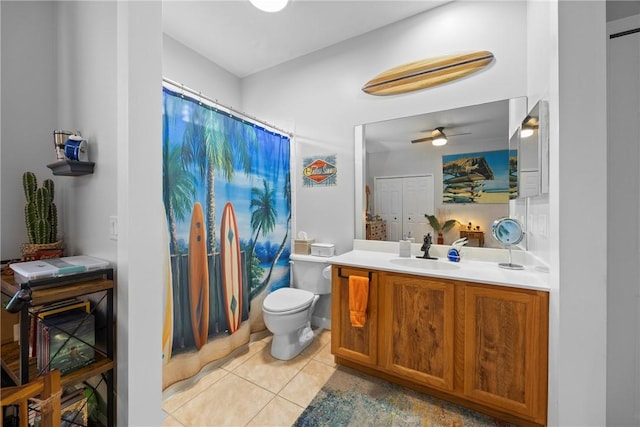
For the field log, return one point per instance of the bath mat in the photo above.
(351, 398)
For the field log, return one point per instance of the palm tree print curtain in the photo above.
(228, 169)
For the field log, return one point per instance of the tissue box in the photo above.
(302, 247)
(323, 249)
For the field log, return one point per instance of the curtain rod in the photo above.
(624, 33)
(179, 87)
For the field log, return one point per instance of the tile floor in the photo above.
(254, 389)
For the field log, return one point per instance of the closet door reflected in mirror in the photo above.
(402, 202)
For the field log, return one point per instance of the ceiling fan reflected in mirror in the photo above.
(438, 137)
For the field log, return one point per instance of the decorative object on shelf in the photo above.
(59, 139)
(76, 148)
(440, 225)
(72, 154)
(427, 73)
(508, 231)
(41, 219)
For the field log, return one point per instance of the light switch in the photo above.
(113, 227)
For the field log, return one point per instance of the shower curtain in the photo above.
(227, 200)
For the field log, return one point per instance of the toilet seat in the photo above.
(287, 300)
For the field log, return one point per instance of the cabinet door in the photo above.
(354, 343)
(506, 349)
(417, 329)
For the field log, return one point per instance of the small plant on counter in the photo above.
(40, 212)
(440, 225)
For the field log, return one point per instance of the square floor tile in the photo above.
(325, 356)
(269, 372)
(278, 412)
(171, 422)
(172, 403)
(303, 387)
(232, 401)
(254, 348)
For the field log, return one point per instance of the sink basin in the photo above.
(427, 264)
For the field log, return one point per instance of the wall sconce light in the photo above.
(270, 5)
(529, 125)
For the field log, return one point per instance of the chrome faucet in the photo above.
(425, 247)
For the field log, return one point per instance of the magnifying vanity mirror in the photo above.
(404, 171)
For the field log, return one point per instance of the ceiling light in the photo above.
(270, 5)
(439, 138)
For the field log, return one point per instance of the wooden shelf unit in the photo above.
(15, 358)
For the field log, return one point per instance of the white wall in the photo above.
(623, 230)
(578, 261)
(28, 97)
(185, 66)
(86, 53)
(319, 95)
(141, 213)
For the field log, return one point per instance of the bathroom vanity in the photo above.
(468, 332)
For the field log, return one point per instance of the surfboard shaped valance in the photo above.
(427, 73)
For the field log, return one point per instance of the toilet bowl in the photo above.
(288, 312)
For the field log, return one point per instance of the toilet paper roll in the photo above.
(326, 272)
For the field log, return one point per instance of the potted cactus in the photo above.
(41, 218)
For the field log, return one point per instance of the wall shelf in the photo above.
(71, 167)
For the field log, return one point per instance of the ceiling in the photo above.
(478, 122)
(244, 40)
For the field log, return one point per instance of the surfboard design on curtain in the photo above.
(237, 173)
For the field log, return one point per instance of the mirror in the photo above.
(464, 190)
(529, 155)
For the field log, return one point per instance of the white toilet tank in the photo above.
(313, 273)
(310, 273)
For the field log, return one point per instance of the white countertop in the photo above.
(487, 272)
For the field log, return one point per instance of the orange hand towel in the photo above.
(358, 299)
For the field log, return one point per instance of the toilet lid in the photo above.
(287, 299)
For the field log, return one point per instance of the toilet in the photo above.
(289, 313)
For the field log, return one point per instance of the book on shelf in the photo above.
(42, 311)
(66, 341)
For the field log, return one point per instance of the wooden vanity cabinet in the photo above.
(417, 329)
(358, 344)
(481, 346)
(505, 349)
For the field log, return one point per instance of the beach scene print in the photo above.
(476, 177)
(227, 200)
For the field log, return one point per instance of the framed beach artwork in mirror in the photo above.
(481, 177)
